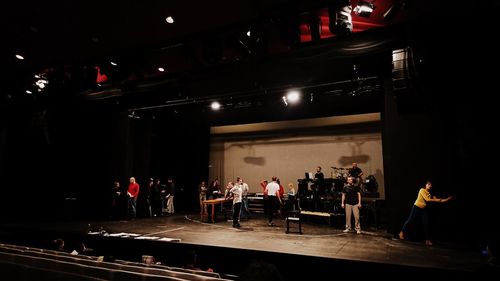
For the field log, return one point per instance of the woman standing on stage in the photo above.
(419, 211)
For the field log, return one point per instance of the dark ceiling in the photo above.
(68, 39)
(55, 33)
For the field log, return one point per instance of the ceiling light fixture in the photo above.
(215, 105)
(293, 97)
(340, 18)
(364, 8)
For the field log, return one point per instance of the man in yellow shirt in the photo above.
(419, 211)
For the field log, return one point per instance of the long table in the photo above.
(213, 203)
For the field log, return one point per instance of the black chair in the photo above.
(293, 216)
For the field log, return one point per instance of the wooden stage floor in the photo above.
(319, 240)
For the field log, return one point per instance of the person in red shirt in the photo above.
(132, 192)
(281, 198)
(282, 189)
(263, 184)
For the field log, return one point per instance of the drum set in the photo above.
(340, 173)
(339, 176)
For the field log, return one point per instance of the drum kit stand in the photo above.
(340, 173)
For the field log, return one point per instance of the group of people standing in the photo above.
(156, 196)
(237, 191)
(151, 200)
(274, 199)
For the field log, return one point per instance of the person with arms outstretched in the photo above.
(419, 211)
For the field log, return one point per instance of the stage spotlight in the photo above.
(251, 40)
(215, 105)
(341, 19)
(41, 83)
(364, 8)
(169, 19)
(293, 97)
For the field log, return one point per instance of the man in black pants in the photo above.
(236, 193)
(272, 190)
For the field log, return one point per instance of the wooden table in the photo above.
(213, 203)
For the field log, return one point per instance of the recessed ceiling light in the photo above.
(215, 105)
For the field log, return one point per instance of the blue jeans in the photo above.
(415, 215)
(131, 207)
(245, 212)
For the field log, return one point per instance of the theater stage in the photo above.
(320, 249)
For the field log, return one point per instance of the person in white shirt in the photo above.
(236, 193)
(272, 190)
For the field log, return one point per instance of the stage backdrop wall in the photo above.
(255, 156)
